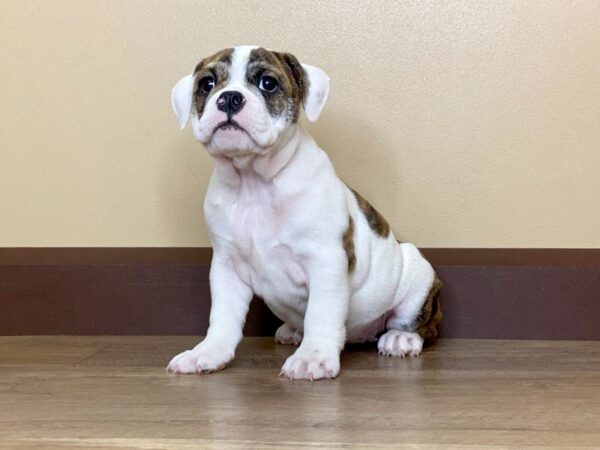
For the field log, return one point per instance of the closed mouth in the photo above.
(229, 125)
(233, 125)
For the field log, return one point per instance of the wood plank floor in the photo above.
(113, 392)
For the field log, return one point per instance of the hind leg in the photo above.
(287, 335)
(400, 343)
(404, 336)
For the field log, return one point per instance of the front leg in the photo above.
(325, 320)
(229, 305)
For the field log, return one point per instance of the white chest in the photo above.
(254, 220)
(257, 222)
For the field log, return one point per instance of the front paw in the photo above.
(200, 360)
(312, 364)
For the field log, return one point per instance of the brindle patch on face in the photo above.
(217, 66)
(376, 221)
(286, 69)
(426, 322)
(348, 242)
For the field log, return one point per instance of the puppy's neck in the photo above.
(267, 166)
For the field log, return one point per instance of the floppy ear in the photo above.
(317, 92)
(181, 99)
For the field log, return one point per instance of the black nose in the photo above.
(230, 102)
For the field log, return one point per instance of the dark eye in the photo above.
(267, 84)
(206, 84)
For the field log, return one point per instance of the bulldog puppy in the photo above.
(283, 226)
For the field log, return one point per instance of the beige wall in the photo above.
(471, 124)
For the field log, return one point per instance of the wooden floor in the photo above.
(113, 392)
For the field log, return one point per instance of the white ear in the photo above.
(181, 99)
(318, 90)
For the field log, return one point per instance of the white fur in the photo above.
(287, 335)
(400, 343)
(181, 99)
(318, 91)
(276, 215)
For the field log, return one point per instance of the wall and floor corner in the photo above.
(488, 293)
(473, 127)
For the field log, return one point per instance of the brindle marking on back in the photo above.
(348, 241)
(286, 69)
(217, 66)
(376, 221)
(426, 322)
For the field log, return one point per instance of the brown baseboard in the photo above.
(488, 293)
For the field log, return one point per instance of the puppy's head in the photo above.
(242, 100)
